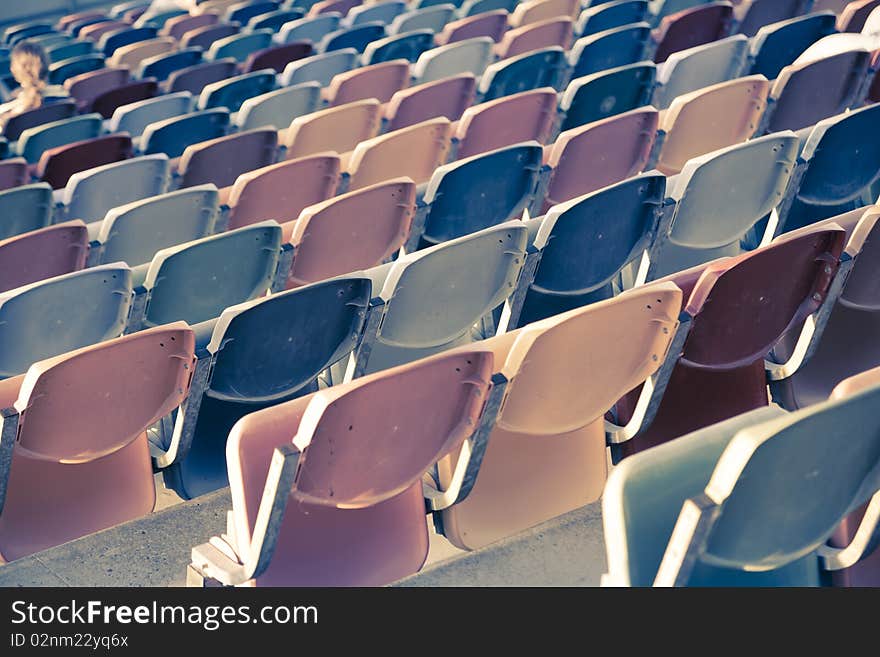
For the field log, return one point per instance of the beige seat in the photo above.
(534, 36)
(539, 10)
(132, 55)
(380, 81)
(339, 129)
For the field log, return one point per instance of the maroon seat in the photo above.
(107, 102)
(491, 24)
(221, 161)
(58, 164)
(740, 307)
(179, 25)
(692, 27)
(203, 37)
(327, 6)
(32, 118)
(85, 87)
(448, 97)
(13, 172)
(277, 57)
(194, 78)
(42, 254)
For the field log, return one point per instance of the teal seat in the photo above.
(135, 117)
(312, 29)
(611, 48)
(607, 93)
(384, 12)
(67, 68)
(320, 68)
(25, 208)
(431, 18)
(278, 108)
(531, 70)
(34, 141)
(232, 92)
(239, 46)
(408, 46)
(172, 136)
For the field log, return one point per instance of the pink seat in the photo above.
(65, 21)
(526, 116)
(379, 81)
(95, 31)
(355, 515)
(81, 462)
(354, 231)
(281, 191)
(203, 37)
(44, 253)
(593, 156)
(535, 36)
(194, 78)
(692, 27)
(85, 87)
(328, 6)
(222, 160)
(13, 172)
(492, 24)
(179, 25)
(338, 129)
(58, 164)
(448, 97)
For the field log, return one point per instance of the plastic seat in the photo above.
(33, 142)
(712, 118)
(475, 7)
(467, 56)
(312, 29)
(739, 308)
(100, 471)
(133, 55)
(204, 37)
(232, 92)
(193, 79)
(612, 48)
(836, 6)
(319, 68)
(278, 108)
(414, 152)
(135, 231)
(534, 36)
(339, 129)
(135, 117)
(752, 15)
(432, 18)
(357, 37)
(277, 57)
(376, 508)
(58, 164)
(490, 24)
(239, 46)
(526, 116)
(37, 117)
(282, 191)
(86, 87)
(545, 449)
(534, 11)
(384, 12)
(109, 101)
(25, 208)
(177, 26)
(353, 231)
(333, 6)
(777, 45)
(581, 247)
(60, 52)
(807, 92)
(13, 172)
(110, 42)
(695, 68)
(606, 94)
(469, 195)
(692, 27)
(90, 194)
(275, 20)
(172, 136)
(95, 31)
(197, 280)
(842, 161)
(56, 315)
(408, 46)
(428, 301)
(854, 15)
(157, 20)
(61, 71)
(720, 199)
(596, 155)
(448, 97)
(533, 70)
(222, 160)
(243, 12)
(64, 22)
(609, 15)
(378, 81)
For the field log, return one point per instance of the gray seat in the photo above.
(34, 141)
(468, 56)
(91, 194)
(310, 29)
(51, 317)
(134, 232)
(431, 18)
(173, 136)
(135, 117)
(25, 208)
(320, 68)
(278, 108)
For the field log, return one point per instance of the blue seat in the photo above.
(320, 68)
(274, 20)
(91, 194)
(474, 7)
(469, 195)
(110, 41)
(257, 354)
(609, 15)
(25, 208)
(67, 68)
(158, 20)
(612, 48)
(161, 66)
(429, 18)
(232, 92)
(409, 46)
(383, 12)
(312, 29)
(134, 232)
(75, 28)
(243, 12)
(663, 8)
(532, 70)
(759, 13)
(607, 93)
(357, 37)
(135, 117)
(580, 248)
(239, 46)
(172, 136)
(841, 159)
(56, 315)
(34, 141)
(278, 108)
(67, 50)
(777, 45)
(15, 33)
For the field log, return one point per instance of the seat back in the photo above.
(109, 101)
(110, 42)
(90, 194)
(135, 117)
(278, 108)
(275, 20)
(408, 46)
(34, 141)
(162, 66)
(609, 15)
(695, 68)
(338, 129)
(777, 45)
(85, 87)
(534, 11)
(281, 191)
(333, 6)
(68, 50)
(194, 78)
(57, 315)
(277, 57)
(533, 70)
(61, 71)
(320, 68)
(172, 136)
(132, 55)
(414, 152)
(36, 117)
(233, 92)
(692, 27)
(357, 37)
(448, 97)
(13, 172)
(432, 18)
(179, 25)
(465, 56)
(58, 164)
(239, 46)
(490, 24)
(244, 12)
(600, 153)
(612, 48)
(534, 36)
(608, 93)
(222, 160)
(133, 232)
(759, 13)
(25, 208)
(855, 14)
(42, 253)
(379, 81)
(313, 28)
